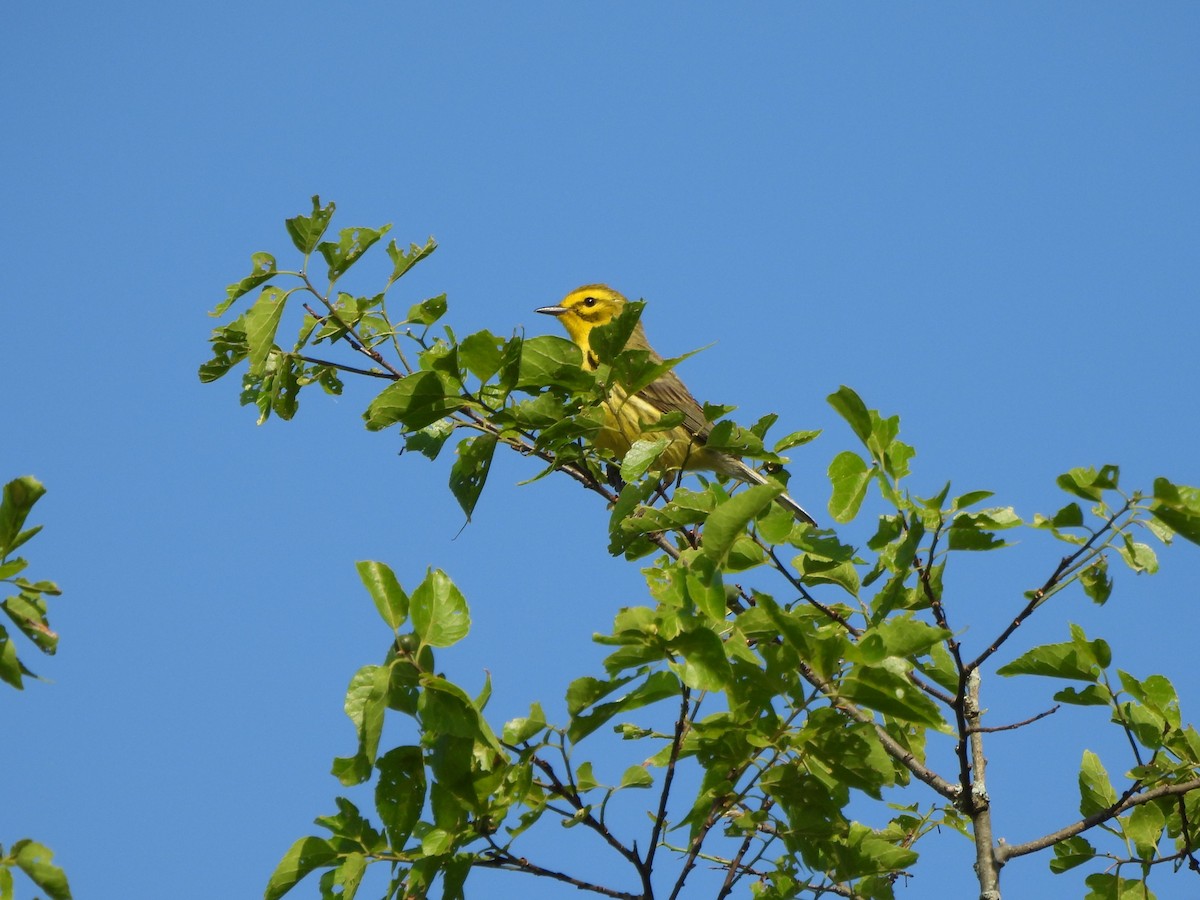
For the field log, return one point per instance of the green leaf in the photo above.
(795, 439)
(415, 401)
(1096, 792)
(439, 611)
(1074, 851)
(400, 792)
(365, 704)
(548, 359)
(657, 686)
(730, 519)
(482, 353)
(36, 861)
(705, 666)
(636, 777)
(885, 689)
(385, 591)
(428, 441)
(402, 262)
(262, 321)
(641, 455)
(343, 880)
(305, 855)
(1092, 695)
(901, 636)
(306, 231)
(427, 311)
(262, 268)
(1095, 581)
(1089, 483)
(1079, 660)
(850, 476)
(517, 731)
(851, 408)
(1145, 826)
(1139, 557)
(470, 470)
(351, 244)
(17, 500)
(1177, 507)
(611, 338)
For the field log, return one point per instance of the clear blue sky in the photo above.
(984, 218)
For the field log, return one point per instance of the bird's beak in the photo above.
(551, 310)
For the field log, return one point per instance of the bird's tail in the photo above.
(738, 469)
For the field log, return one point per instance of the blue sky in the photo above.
(983, 218)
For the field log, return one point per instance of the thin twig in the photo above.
(587, 819)
(681, 727)
(805, 595)
(499, 858)
(1041, 593)
(979, 729)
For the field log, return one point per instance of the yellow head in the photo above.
(585, 308)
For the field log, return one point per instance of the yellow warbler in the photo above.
(627, 415)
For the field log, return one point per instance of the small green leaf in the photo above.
(400, 792)
(548, 359)
(1096, 792)
(886, 690)
(1079, 661)
(517, 731)
(470, 470)
(427, 311)
(262, 268)
(415, 401)
(482, 353)
(365, 704)
(730, 519)
(1145, 826)
(1074, 851)
(439, 611)
(385, 591)
(36, 861)
(1092, 695)
(1089, 483)
(1139, 557)
(611, 338)
(705, 666)
(305, 855)
(306, 231)
(402, 262)
(636, 777)
(657, 686)
(1095, 581)
(640, 457)
(17, 500)
(851, 408)
(1177, 507)
(795, 439)
(850, 476)
(262, 321)
(351, 244)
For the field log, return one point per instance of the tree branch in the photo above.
(1041, 593)
(1005, 852)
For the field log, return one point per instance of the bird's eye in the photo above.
(589, 301)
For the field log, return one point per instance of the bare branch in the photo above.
(979, 729)
(499, 858)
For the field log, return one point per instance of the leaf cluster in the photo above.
(791, 671)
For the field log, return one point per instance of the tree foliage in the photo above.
(26, 610)
(796, 673)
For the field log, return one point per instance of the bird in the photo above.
(626, 416)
